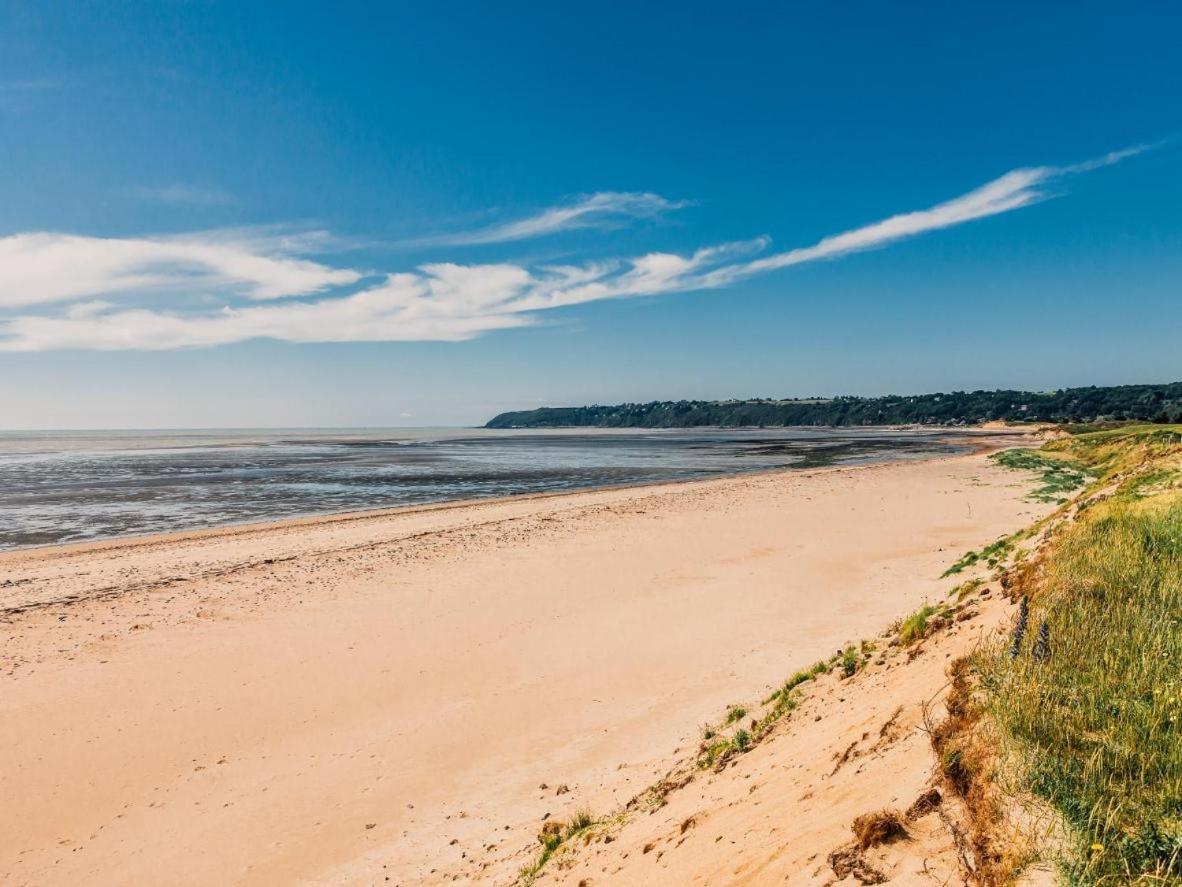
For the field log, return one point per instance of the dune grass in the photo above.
(993, 555)
(1058, 475)
(969, 586)
(1131, 451)
(1095, 728)
(735, 713)
(553, 836)
(800, 677)
(915, 627)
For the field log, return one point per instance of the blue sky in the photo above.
(228, 214)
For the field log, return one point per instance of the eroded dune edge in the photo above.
(1023, 731)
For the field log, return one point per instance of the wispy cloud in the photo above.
(258, 276)
(42, 267)
(601, 210)
(183, 195)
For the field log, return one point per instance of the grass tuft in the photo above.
(915, 627)
(883, 827)
(849, 662)
(553, 836)
(993, 555)
(1057, 474)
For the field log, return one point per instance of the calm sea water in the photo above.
(71, 486)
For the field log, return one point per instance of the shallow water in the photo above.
(60, 487)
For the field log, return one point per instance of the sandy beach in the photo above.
(380, 697)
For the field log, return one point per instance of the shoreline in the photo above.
(242, 706)
(974, 445)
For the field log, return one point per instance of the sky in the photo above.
(225, 214)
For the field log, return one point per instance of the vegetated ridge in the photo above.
(1160, 403)
(1054, 737)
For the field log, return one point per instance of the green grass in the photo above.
(785, 701)
(1151, 482)
(1092, 427)
(849, 662)
(1130, 449)
(993, 555)
(807, 674)
(713, 752)
(1142, 460)
(802, 676)
(1057, 475)
(1096, 729)
(779, 702)
(551, 840)
(914, 628)
(960, 592)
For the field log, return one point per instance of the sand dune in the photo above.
(783, 812)
(351, 700)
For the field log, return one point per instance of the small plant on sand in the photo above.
(581, 821)
(735, 713)
(960, 592)
(786, 701)
(915, 627)
(850, 660)
(552, 836)
(993, 555)
(800, 677)
(741, 741)
(713, 752)
(708, 732)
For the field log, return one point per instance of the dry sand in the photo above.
(381, 696)
(783, 812)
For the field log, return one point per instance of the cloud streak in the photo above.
(42, 267)
(267, 290)
(602, 210)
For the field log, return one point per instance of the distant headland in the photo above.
(1117, 403)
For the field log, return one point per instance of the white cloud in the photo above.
(44, 267)
(604, 209)
(439, 302)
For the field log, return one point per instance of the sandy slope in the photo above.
(349, 700)
(777, 814)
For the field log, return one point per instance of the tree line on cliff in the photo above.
(1144, 403)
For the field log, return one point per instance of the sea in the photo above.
(73, 486)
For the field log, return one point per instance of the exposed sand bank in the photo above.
(783, 813)
(347, 700)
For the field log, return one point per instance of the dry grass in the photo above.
(883, 827)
